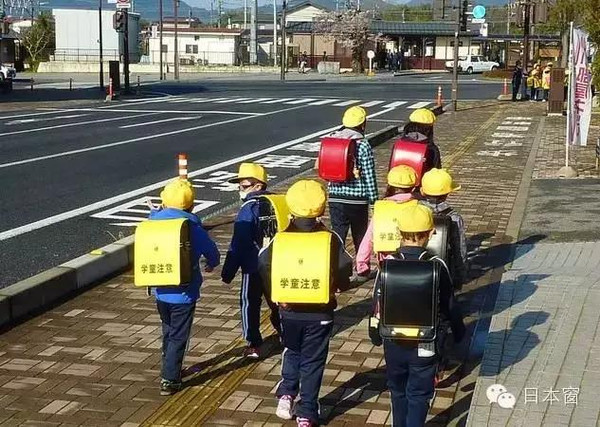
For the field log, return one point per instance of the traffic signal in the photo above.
(463, 15)
(119, 21)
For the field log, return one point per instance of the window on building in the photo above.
(191, 48)
(196, 38)
(165, 48)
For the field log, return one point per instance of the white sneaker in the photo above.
(285, 407)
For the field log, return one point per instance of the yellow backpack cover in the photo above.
(162, 253)
(300, 268)
(386, 235)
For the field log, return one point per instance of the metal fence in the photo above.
(85, 55)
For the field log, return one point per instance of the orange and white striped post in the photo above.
(182, 163)
(505, 91)
(439, 97)
(110, 88)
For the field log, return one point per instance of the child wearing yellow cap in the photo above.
(411, 364)
(242, 255)
(306, 326)
(436, 186)
(401, 181)
(176, 304)
(420, 129)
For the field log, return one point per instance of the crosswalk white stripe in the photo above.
(251, 101)
(324, 101)
(227, 101)
(343, 104)
(371, 103)
(395, 104)
(275, 101)
(419, 105)
(177, 101)
(301, 101)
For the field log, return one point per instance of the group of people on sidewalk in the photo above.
(300, 269)
(537, 82)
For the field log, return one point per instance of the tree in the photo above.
(38, 39)
(351, 28)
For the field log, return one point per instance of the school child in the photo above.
(401, 181)
(436, 185)
(412, 324)
(246, 242)
(305, 265)
(176, 304)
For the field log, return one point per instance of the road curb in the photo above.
(40, 292)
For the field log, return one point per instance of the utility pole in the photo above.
(455, 63)
(508, 14)
(126, 50)
(219, 11)
(160, 37)
(253, 31)
(283, 48)
(245, 14)
(526, 25)
(100, 43)
(274, 33)
(176, 57)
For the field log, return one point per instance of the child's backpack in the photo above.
(410, 153)
(337, 159)
(162, 253)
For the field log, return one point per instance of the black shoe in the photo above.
(168, 388)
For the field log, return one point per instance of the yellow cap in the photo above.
(250, 171)
(306, 199)
(402, 176)
(423, 116)
(354, 116)
(415, 218)
(178, 194)
(438, 182)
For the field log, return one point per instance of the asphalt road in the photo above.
(74, 179)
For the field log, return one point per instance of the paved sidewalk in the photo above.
(94, 360)
(543, 341)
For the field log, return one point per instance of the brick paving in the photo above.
(551, 155)
(543, 341)
(95, 359)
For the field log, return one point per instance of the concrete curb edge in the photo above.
(37, 293)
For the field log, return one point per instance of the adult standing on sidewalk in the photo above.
(246, 242)
(349, 201)
(176, 304)
(517, 77)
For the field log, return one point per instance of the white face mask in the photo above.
(242, 194)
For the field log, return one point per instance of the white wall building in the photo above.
(197, 46)
(77, 36)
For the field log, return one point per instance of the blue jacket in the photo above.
(246, 241)
(202, 245)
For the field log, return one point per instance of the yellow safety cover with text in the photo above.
(162, 253)
(280, 209)
(386, 235)
(300, 270)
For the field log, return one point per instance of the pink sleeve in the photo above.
(363, 256)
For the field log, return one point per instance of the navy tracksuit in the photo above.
(243, 253)
(306, 328)
(410, 377)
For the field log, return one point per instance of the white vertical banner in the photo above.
(579, 112)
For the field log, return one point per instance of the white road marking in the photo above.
(343, 104)
(251, 101)
(116, 110)
(371, 103)
(324, 101)
(146, 101)
(301, 101)
(227, 101)
(66, 125)
(172, 119)
(54, 111)
(201, 100)
(46, 119)
(514, 128)
(395, 104)
(140, 191)
(419, 105)
(275, 101)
